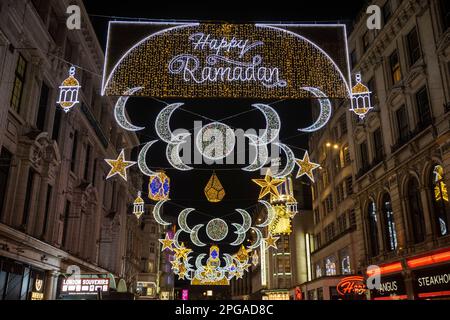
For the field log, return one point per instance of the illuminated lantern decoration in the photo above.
(159, 187)
(214, 190)
(68, 92)
(138, 207)
(361, 102)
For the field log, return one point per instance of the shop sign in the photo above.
(84, 286)
(37, 293)
(432, 281)
(391, 287)
(349, 286)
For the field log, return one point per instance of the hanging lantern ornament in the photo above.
(214, 191)
(159, 187)
(138, 207)
(68, 91)
(361, 102)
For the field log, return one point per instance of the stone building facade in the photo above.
(401, 149)
(57, 209)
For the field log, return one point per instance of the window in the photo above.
(68, 50)
(94, 172)
(330, 266)
(440, 201)
(345, 262)
(74, 151)
(343, 125)
(445, 10)
(318, 271)
(352, 217)
(349, 185)
(47, 209)
(28, 196)
(346, 156)
(5, 165)
(373, 229)
(318, 241)
(65, 224)
(87, 161)
(19, 82)
(414, 52)
(40, 5)
(342, 223)
(364, 156)
(378, 144)
(402, 123)
(328, 204)
(387, 11)
(415, 211)
(330, 232)
(396, 71)
(53, 27)
(366, 41)
(423, 107)
(371, 84)
(340, 193)
(390, 234)
(56, 124)
(152, 247)
(353, 59)
(42, 107)
(319, 293)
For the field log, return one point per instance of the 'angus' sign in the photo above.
(206, 60)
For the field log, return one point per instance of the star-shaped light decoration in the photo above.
(306, 167)
(268, 185)
(119, 166)
(182, 272)
(182, 252)
(175, 264)
(271, 241)
(166, 243)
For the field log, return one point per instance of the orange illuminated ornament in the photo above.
(68, 92)
(214, 191)
(361, 102)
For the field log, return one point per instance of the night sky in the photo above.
(187, 187)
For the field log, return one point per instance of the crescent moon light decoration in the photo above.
(175, 239)
(182, 220)
(270, 214)
(194, 236)
(261, 157)
(162, 126)
(325, 110)
(173, 153)
(240, 238)
(119, 111)
(142, 160)
(273, 124)
(290, 162)
(247, 221)
(259, 238)
(198, 261)
(157, 214)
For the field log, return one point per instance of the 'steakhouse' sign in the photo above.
(205, 60)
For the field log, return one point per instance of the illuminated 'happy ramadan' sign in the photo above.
(197, 60)
(195, 70)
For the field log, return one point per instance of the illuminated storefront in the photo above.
(429, 278)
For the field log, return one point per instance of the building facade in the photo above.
(58, 212)
(401, 150)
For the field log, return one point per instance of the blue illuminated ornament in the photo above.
(159, 187)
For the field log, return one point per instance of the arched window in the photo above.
(440, 201)
(330, 266)
(390, 235)
(415, 211)
(373, 229)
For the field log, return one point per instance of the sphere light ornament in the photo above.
(361, 102)
(68, 91)
(215, 141)
(159, 187)
(217, 229)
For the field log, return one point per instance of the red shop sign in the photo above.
(354, 285)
